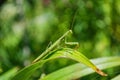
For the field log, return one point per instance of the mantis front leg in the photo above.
(76, 44)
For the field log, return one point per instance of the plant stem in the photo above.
(52, 46)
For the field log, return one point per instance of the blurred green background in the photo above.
(28, 26)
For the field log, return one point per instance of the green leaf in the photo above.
(25, 73)
(9, 74)
(78, 70)
(77, 56)
(116, 78)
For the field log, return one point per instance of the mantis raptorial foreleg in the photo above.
(76, 44)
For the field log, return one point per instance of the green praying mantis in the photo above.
(56, 44)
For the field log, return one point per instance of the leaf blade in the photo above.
(79, 70)
(77, 56)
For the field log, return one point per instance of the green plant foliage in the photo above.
(116, 78)
(9, 74)
(28, 26)
(78, 70)
(77, 56)
(25, 73)
(0, 70)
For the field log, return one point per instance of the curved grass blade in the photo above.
(25, 73)
(77, 56)
(78, 70)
